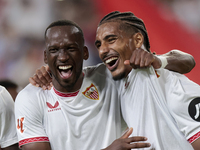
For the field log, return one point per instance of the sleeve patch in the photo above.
(194, 109)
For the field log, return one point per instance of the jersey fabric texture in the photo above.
(8, 134)
(89, 119)
(160, 105)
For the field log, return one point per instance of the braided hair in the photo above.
(128, 18)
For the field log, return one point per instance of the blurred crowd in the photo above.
(186, 11)
(22, 26)
(23, 22)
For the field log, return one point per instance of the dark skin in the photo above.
(37, 145)
(65, 48)
(177, 57)
(178, 61)
(125, 142)
(120, 45)
(12, 147)
(65, 54)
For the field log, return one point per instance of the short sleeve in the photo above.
(29, 118)
(8, 135)
(184, 104)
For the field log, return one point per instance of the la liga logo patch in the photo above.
(194, 109)
(91, 92)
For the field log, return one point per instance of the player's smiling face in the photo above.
(64, 54)
(114, 47)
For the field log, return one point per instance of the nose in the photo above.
(63, 55)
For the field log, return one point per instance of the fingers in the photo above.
(41, 78)
(136, 142)
(133, 142)
(47, 68)
(127, 133)
(135, 139)
(157, 63)
(140, 59)
(32, 81)
(45, 73)
(128, 143)
(137, 145)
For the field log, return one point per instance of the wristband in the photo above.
(163, 60)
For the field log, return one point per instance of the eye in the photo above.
(98, 45)
(53, 50)
(111, 39)
(72, 49)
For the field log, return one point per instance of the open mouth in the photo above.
(65, 71)
(111, 62)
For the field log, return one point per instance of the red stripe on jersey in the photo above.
(31, 140)
(65, 94)
(194, 137)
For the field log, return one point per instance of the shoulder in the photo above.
(6, 101)
(31, 102)
(29, 91)
(99, 69)
(30, 95)
(4, 94)
(99, 75)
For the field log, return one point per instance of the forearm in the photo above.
(12, 147)
(196, 144)
(179, 61)
(37, 146)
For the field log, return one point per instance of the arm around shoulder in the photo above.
(179, 61)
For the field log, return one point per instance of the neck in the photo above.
(69, 87)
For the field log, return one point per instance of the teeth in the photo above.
(64, 67)
(111, 59)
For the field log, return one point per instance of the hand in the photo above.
(142, 59)
(127, 143)
(42, 78)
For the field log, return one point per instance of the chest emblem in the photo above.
(91, 92)
(53, 107)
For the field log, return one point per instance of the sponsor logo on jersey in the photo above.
(20, 124)
(194, 109)
(53, 107)
(91, 92)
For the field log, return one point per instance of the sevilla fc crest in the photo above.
(91, 92)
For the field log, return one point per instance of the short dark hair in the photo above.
(64, 23)
(8, 84)
(128, 19)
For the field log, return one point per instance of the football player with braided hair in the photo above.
(157, 103)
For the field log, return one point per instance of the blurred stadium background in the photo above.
(171, 24)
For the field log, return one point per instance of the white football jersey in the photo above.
(89, 119)
(8, 134)
(163, 106)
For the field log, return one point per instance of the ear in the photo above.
(138, 39)
(85, 53)
(45, 56)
